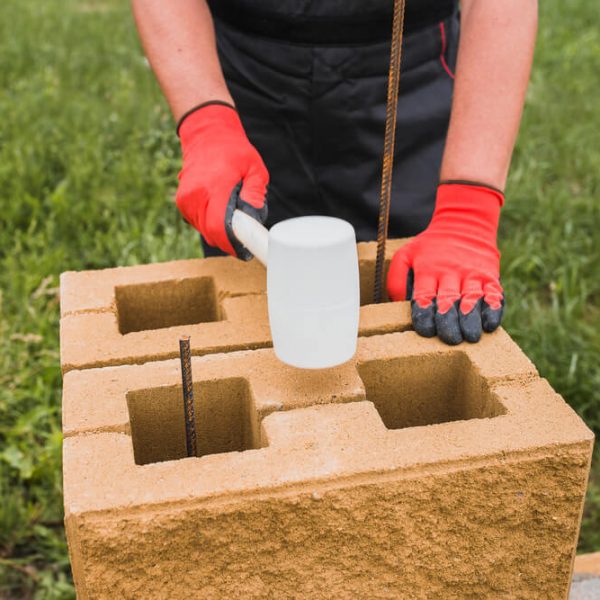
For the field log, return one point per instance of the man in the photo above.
(297, 89)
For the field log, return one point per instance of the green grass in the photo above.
(88, 163)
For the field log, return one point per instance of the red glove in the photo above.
(221, 171)
(451, 271)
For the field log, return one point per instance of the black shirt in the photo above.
(327, 21)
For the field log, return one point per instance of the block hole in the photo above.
(163, 304)
(366, 269)
(428, 389)
(226, 420)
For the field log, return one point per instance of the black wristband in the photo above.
(473, 183)
(199, 106)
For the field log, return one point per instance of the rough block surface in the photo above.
(416, 470)
(131, 315)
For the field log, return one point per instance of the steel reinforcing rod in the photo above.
(185, 356)
(388, 146)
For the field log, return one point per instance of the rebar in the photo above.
(185, 355)
(388, 146)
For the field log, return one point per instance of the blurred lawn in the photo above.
(88, 160)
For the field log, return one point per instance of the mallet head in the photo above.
(312, 288)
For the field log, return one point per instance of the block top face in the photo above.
(403, 405)
(96, 291)
(132, 315)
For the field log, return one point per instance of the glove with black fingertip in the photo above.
(451, 271)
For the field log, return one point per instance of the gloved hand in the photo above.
(221, 171)
(451, 271)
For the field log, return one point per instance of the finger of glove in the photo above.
(471, 292)
(492, 307)
(424, 288)
(254, 183)
(423, 319)
(234, 204)
(397, 277)
(215, 231)
(491, 318)
(423, 304)
(448, 291)
(447, 325)
(493, 294)
(470, 323)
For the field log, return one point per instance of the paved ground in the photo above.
(585, 587)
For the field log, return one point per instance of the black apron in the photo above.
(310, 83)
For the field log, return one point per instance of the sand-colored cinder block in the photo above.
(130, 315)
(417, 470)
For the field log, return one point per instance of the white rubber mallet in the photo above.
(312, 286)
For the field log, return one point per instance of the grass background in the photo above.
(88, 160)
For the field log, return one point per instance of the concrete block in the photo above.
(417, 470)
(131, 315)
